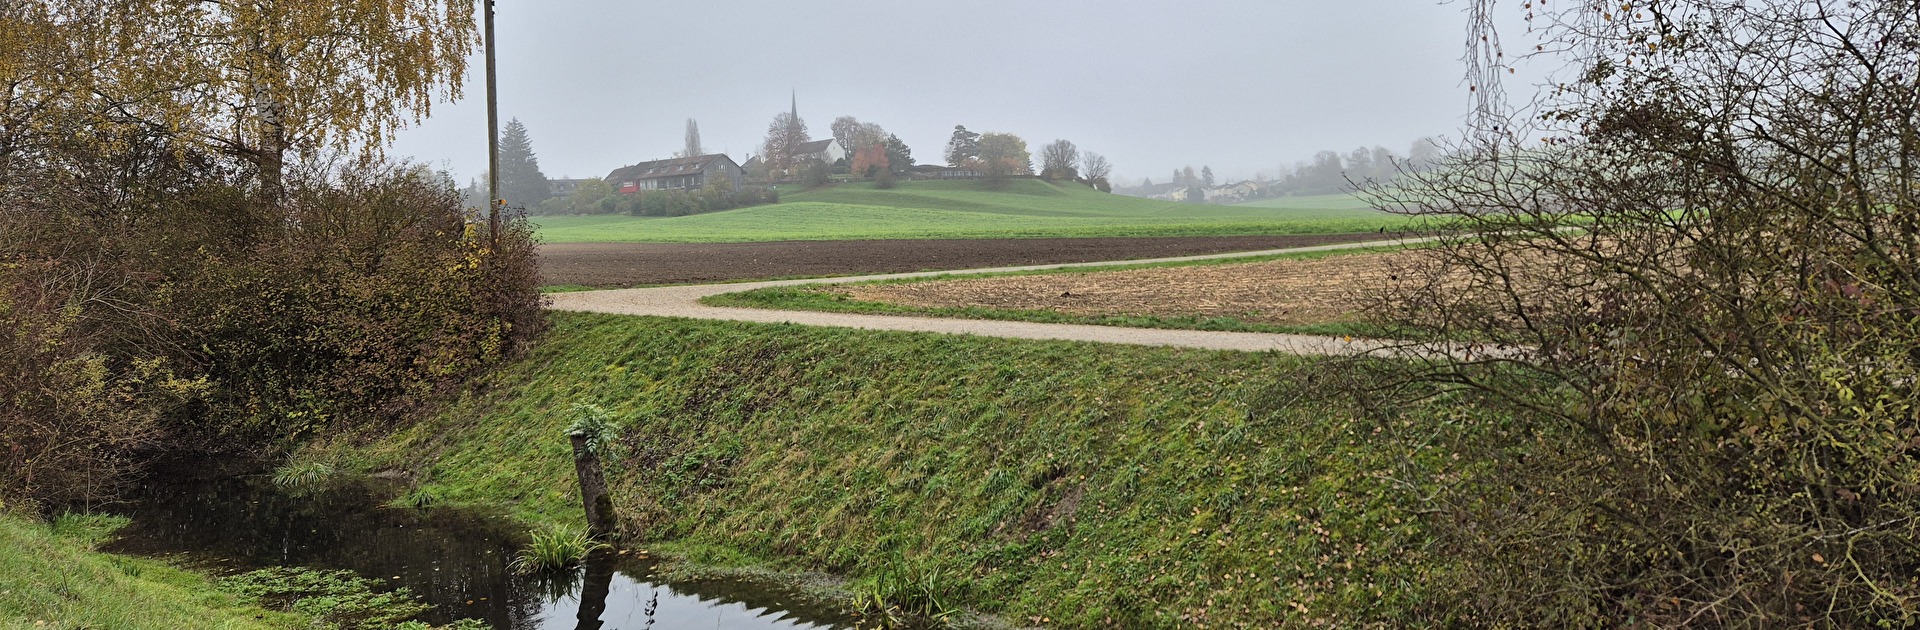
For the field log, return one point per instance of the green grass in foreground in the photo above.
(1086, 485)
(821, 298)
(958, 210)
(50, 577)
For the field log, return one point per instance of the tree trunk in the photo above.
(269, 153)
(593, 488)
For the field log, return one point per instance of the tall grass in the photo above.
(902, 596)
(304, 476)
(554, 550)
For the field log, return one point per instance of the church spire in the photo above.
(796, 104)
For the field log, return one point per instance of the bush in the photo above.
(885, 180)
(70, 415)
(816, 175)
(162, 307)
(678, 203)
(1705, 284)
(381, 295)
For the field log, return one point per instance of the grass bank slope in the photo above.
(955, 210)
(51, 578)
(1072, 485)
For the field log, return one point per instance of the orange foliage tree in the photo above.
(870, 159)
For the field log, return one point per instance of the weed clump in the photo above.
(555, 550)
(907, 597)
(303, 477)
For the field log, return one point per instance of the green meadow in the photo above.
(1328, 206)
(962, 210)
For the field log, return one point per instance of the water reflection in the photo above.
(454, 560)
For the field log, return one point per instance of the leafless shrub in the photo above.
(1706, 245)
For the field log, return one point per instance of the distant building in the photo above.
(935, 171)
(828, 150)
(1230, 193)
(563, 187)
(690, 173)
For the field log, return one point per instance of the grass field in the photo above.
(1329, 206)
(50, 577)
(955, 210)
(1073, 485)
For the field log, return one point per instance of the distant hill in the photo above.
(958, 209)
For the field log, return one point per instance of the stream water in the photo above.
(455, 560)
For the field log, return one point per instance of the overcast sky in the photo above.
(1241, 85)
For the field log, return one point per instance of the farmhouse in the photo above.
(563, 186)
(935, 171)
(1232, 192)
(690, 173)
(828, 150)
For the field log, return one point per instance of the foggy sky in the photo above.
(1241, 85)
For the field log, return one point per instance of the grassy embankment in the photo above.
(1075, 485)
(824, 298)
(50, 577)
(958, 210)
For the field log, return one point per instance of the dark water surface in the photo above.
(452, 559)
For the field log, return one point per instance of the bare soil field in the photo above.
(1288, 292)
(614, 265)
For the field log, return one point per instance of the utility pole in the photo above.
(493, 141)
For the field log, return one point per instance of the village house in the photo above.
(935, 171)
(828, 150)
(1231, 193)
(563, 186)
(689, 173)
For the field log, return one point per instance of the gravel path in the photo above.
(684, 301)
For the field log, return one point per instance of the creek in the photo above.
(456, 560)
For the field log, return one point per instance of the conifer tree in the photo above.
(521, 182)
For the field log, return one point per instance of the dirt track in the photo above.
(611, 265)
(684, 301)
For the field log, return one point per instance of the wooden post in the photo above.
(594, 588)
(593, 488)
(493, 141)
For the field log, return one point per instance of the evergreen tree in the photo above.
(1206, 176)
(899, 157)
(965, 145)
(521, 182)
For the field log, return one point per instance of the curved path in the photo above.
(684, 301)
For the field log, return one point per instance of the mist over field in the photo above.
(1245, 87)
